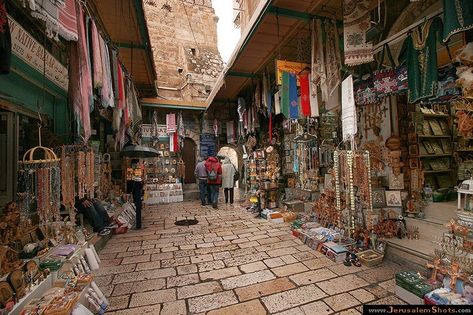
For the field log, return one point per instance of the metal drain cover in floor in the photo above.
(186, 222)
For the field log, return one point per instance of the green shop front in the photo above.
(33, 93)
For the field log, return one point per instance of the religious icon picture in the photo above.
(414, 163)
(396, 182)
(167, 162)
(379, 197)
(412, 137)
(381, 246)
(413, 149)
(393, 198)
(162, 146)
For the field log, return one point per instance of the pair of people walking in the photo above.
(211, 175)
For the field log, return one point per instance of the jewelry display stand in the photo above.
(356, 190)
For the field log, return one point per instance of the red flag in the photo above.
(176, 143)
(305, 94)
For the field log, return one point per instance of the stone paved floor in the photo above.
(230, 263)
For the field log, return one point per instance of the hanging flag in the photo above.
(305, 94)
(285, 94)
(293, 99)
(314, 100)
(176, 142)
(171, 122)
(277, 103)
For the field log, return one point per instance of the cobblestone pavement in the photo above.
(230, 263)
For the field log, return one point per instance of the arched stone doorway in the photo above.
(189, 156)
(232, 153)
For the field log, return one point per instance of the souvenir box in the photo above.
(335, 252)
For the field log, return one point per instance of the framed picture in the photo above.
(396, 182)
(379, 197)
(162, 146)
(166, 162)
(166, 153)
(393, 198)
(436, 128)
(428, 147)
(381, 247)
(412, 137)
(414, 163)
(413, 150)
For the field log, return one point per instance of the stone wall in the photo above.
(184, 42)
(247, 8)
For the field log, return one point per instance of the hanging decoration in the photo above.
(305, 94)
(285, 99)
(293, 99)
(457, 17)
(171, 123)
(356, 22)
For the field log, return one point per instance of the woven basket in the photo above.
(370, 258)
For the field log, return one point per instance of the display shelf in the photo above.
(464, 150)
(438, 171)
(435, 115)
(433, 155)
(432, 136)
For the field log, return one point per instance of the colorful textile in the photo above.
(317, 68)
(171, 122)
(331, 77)
(457, 17)
(5, 40)
(314, 100)
(133, 106)
(305, 94)
(67, 22)
(285, 94)
(293, 99)
(47, 11)
(356, 21)
(364, 92)
(85, 91)
(120, 87)
(420, 52)
(96, 57)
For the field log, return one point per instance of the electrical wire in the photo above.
(189, 22)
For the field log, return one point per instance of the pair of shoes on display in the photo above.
(104, 232)
(351, 259)
(111, 226)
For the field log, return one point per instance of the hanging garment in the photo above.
(67, 21)
(85, 75)
(133, 105)
(175, 142)
(120, 86)
(285, 94)
(5, 40)
(457, 17)
(420, 52)
(293, 99)
(305, 94)
(114, 71)
(356, 22)
(230, 131)
(96, 57)
(265, 92)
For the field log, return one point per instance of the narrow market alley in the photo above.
(230, 263)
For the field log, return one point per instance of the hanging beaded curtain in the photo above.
(40, 185)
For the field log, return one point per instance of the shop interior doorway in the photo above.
(189, 156)
(232, 154)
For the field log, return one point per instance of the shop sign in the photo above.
(28, 49)
(289, 66)
(147, 131)
(208, 146)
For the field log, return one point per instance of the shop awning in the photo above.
(173, 104)
(125, 23)
(273, 27)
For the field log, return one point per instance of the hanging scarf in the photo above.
(175, 141)
(457, 17)
(356, 21)
(332, 77)
(47, 11)
(96, 57)
(67, 22)
(277, 103)
(133, 105)
(314, 100)
(114, 71)
(293, 99)
(265, 92)
(317, 68)
(107, 88)
(5, 40)
(171, 122)
(85, 76)
(120, 88)
(305, 94)
(348, 109)
(285, 94)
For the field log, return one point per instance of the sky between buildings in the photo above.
(228, 35)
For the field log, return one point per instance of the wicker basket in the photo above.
(370, 258)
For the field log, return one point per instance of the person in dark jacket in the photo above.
(214, 178)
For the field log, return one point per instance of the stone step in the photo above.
(428, 230)
(191, 194)
(411, 254)
(192, 186)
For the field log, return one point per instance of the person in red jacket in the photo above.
(214, 178)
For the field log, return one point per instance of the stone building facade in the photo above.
(183, 36)
(243, 11)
